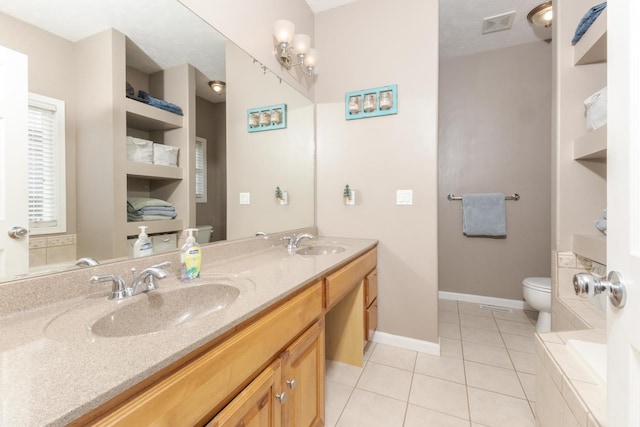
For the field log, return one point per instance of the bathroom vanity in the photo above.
(258, 359)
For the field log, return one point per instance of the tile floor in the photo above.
(483, 377)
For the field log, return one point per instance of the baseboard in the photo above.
(479, 299)
(406, 343)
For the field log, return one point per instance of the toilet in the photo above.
(537, 292)
(204, 233)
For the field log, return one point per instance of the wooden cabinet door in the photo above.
(258, 405)
(303, 379)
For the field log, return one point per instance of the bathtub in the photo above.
(592, 355)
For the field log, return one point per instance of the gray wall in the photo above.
(211, 125)
(495, 136)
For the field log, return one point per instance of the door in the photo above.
(14, 252)
(623, 210)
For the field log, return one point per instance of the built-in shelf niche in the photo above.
(592, 145)
(592, 47)
(591, 245)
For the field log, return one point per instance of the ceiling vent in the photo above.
(498, 23)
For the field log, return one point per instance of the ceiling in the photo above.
(151, 26)
(461, 24)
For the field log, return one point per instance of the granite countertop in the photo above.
(54, 369)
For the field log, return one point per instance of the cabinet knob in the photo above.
(291, 383)
(281, 397)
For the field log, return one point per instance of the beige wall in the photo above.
(259, 162)
(51, 73)
(249, 24)
(495, 136)
(365, 45)
(211, 125)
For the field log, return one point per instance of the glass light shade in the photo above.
(311, 58)
(541, 15)
(283, 30)
(301, 43)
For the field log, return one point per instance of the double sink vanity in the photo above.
(244, 343)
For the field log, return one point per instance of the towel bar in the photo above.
(514, 196)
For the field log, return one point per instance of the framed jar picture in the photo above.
(374, 102)
(267, 118)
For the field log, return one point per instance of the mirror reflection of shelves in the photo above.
(146, 117)
(592, 47)
(154, 227)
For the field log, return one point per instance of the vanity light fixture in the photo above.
(290, 44)
(541, 15)
(217, 86)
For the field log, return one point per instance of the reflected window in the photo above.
(46, 165)
(201, 170)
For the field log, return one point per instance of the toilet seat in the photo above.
(542, 284)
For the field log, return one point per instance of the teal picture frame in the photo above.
(362, 104)
(261, 119)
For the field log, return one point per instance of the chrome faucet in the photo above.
(145, 282)
(294, 242)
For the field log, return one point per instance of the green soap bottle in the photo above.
(190, 258)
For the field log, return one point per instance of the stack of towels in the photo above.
(148, 209)
(587, 20)
(144, 96)
(601, 224)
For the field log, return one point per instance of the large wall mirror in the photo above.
(88, 62)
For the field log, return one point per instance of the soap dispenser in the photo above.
(142, 246)
(190, 258)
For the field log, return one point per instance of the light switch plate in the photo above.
(285, 198)
(404, 197)
(245, 198)
(352, 199)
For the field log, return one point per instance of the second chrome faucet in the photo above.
(146, 281)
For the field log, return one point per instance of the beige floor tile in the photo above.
(421, 417)
(439, 395)
(498, 410)
(445, 368)
(369, 349)
(342, 373)
(394, 356)
(473, 309)
(523, 362)
(448, 305)
(489, 355)
(386, 381)
(450, 347)
(448, 317)
(482, 336)
(372, 410)
(516, 328)
(478, 322)
(514, 316)
(520, 342)
(449, 330)
(528, 382)
(499, 380)
(336, 397)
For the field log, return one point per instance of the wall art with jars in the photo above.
(267, 118)
(375, 102)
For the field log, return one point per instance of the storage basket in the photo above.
(139, 150)
(165, 155)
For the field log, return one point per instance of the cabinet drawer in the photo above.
(371, 287)
(203, 386)
(338, 284)
(370, 320)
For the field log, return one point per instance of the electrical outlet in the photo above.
(245, 198)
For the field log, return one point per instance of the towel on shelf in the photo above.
(484, 215)
(601, 224)
(149, 209)
(158, 103)
(587, 20)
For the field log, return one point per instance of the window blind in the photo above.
(201, 172)
(42, 165)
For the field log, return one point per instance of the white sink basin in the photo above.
(320, 249)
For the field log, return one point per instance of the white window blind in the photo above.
(46, 167)
(201, 170)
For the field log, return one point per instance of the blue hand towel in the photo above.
(484, 215)
(587, 20)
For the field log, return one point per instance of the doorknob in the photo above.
(587, 286)
(18, 232)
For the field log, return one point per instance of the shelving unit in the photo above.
(592, 47)
(592, 246)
